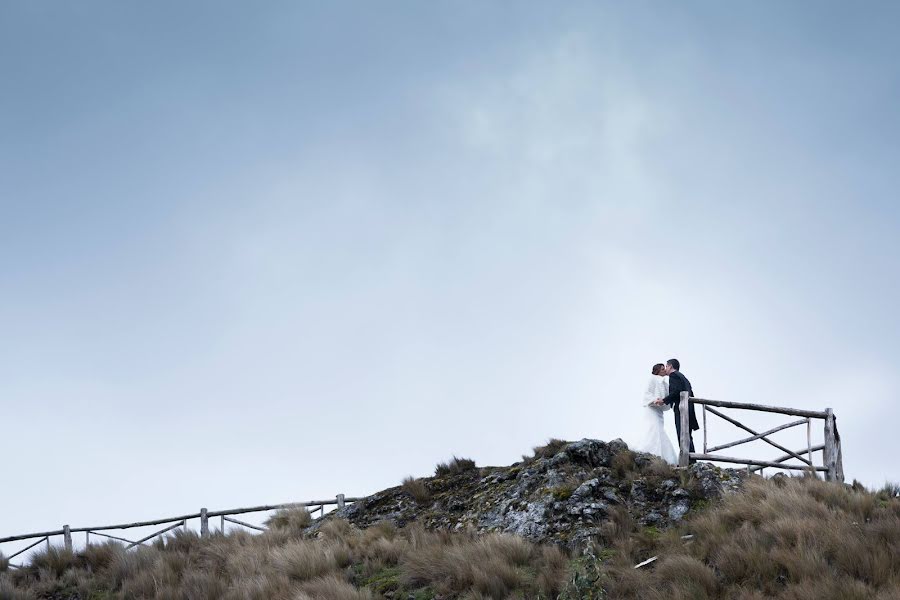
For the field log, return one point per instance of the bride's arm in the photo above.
(650, 395)
(664, 391)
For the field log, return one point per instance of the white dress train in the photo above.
(655, 439)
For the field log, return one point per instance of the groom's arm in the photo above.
(675, 389)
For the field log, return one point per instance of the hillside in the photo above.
(562, 494)
(569, 522)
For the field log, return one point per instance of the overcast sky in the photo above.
(262, 252)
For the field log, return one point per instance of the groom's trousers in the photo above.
(690, 437)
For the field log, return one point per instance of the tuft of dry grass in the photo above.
(454, 466)
(658, 468)
(182, 541)
(494, 566)
(10, 591)
(96, 557)
(548, 450)
(54, 560)
(623, 464)
(332, 587)
(301, 560)
(292, 520)
(417, 489)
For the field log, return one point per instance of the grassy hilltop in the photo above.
(797, 538)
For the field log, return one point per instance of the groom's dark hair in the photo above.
(657, 368)
(675, 364)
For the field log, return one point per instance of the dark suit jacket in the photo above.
(679, 383)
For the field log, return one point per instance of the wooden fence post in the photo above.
(204, 523)
(809, 444)
(684, 456)
(67, 538)
(704, 428)
(340, 501)
(830, 452)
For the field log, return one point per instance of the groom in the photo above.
(679, 383)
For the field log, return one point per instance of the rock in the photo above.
(680, 493)
(562, 499)
(651, 518)
(612, 496)
(588, 489)
(713, 481)
(589, 453)
(617, 446)
(678, 510)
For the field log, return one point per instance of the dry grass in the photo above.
(292, 520)
(454, 466)
(548, 450)
(623, 463)
(657, 467)
(338, 562)
(301, 560)
(786, 538)
(417, 489)
(332, 587)
(797, 539)
(494, 566)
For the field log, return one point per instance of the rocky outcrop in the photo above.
(564, 497)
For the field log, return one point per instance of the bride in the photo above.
(655, 439)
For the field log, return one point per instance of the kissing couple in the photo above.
(664, 393)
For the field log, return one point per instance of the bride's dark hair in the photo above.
(657, 368)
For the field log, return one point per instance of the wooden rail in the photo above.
(832, 461)
(173, 523)
(781, 459)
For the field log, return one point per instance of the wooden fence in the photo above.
(171, 523)
(832, 461)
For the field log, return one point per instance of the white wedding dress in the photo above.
(655, 439)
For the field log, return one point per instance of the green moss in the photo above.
(606, 554)
(385, 580)
(700, 504)
(425, 593)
